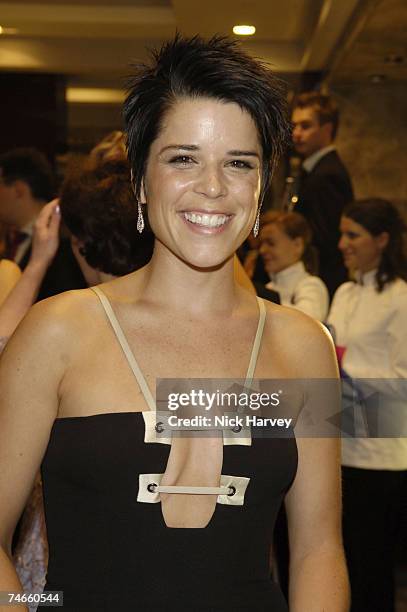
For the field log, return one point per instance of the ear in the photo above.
(143, 195)
(382, 240)
(299, 246)
(327, 129)
(21, 189)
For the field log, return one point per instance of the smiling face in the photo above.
(202, 182)
(278, 250)
(360, 249)
(309, 136)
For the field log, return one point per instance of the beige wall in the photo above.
(372, 138)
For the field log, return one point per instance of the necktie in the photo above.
(13, 240)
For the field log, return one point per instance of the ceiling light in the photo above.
(95, 95)
(376, 79)
(244, 30)
(8, 30)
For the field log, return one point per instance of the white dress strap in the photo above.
(257, 343)
(126, 348)
(132, 360)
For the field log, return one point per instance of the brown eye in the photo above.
(240, 164)
(182, 160)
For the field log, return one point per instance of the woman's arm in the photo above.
(9, 275)
(318, 575)
(31, 369)
(44, 247)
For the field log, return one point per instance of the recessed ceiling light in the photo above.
(377, 78)
(96, 95)
(4, 30)
(244, 30)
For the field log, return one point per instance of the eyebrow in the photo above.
(188, 147)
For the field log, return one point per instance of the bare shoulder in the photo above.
(55, 323)
(306, 342)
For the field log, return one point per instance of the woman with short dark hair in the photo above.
(137, 517)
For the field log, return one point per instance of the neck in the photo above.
(370, 267)
(201, 292)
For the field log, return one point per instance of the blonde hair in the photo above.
(111, 147)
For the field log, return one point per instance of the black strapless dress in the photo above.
(110, 552)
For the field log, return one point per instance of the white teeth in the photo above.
(206, 220)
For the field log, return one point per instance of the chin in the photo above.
(273, 269)
(349, 263)
(205, 261)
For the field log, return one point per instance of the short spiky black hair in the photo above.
(215, 68)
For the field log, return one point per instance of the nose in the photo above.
(296, 132)
(211, 182)
(342, 244)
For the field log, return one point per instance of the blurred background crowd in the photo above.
(332, 230)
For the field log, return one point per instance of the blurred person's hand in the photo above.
(46, 234)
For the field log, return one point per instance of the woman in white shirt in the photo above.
(289, 258)
(368, 319)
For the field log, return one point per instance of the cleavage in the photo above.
(193, 461)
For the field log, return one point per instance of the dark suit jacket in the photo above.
(63, 274)
(323, 194)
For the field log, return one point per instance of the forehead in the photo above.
(307, 114)
(203, 121)
(349, 225)
(271, 230)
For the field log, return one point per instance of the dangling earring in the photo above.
(140, 219)
(256, 225)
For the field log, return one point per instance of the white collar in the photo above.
(368, 279)
(289, 277)
(310, 162)
(28, 228)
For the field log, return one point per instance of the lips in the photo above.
(210, 220)
(206, 222)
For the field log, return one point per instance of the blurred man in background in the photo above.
(324, 186)
(26, 185)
